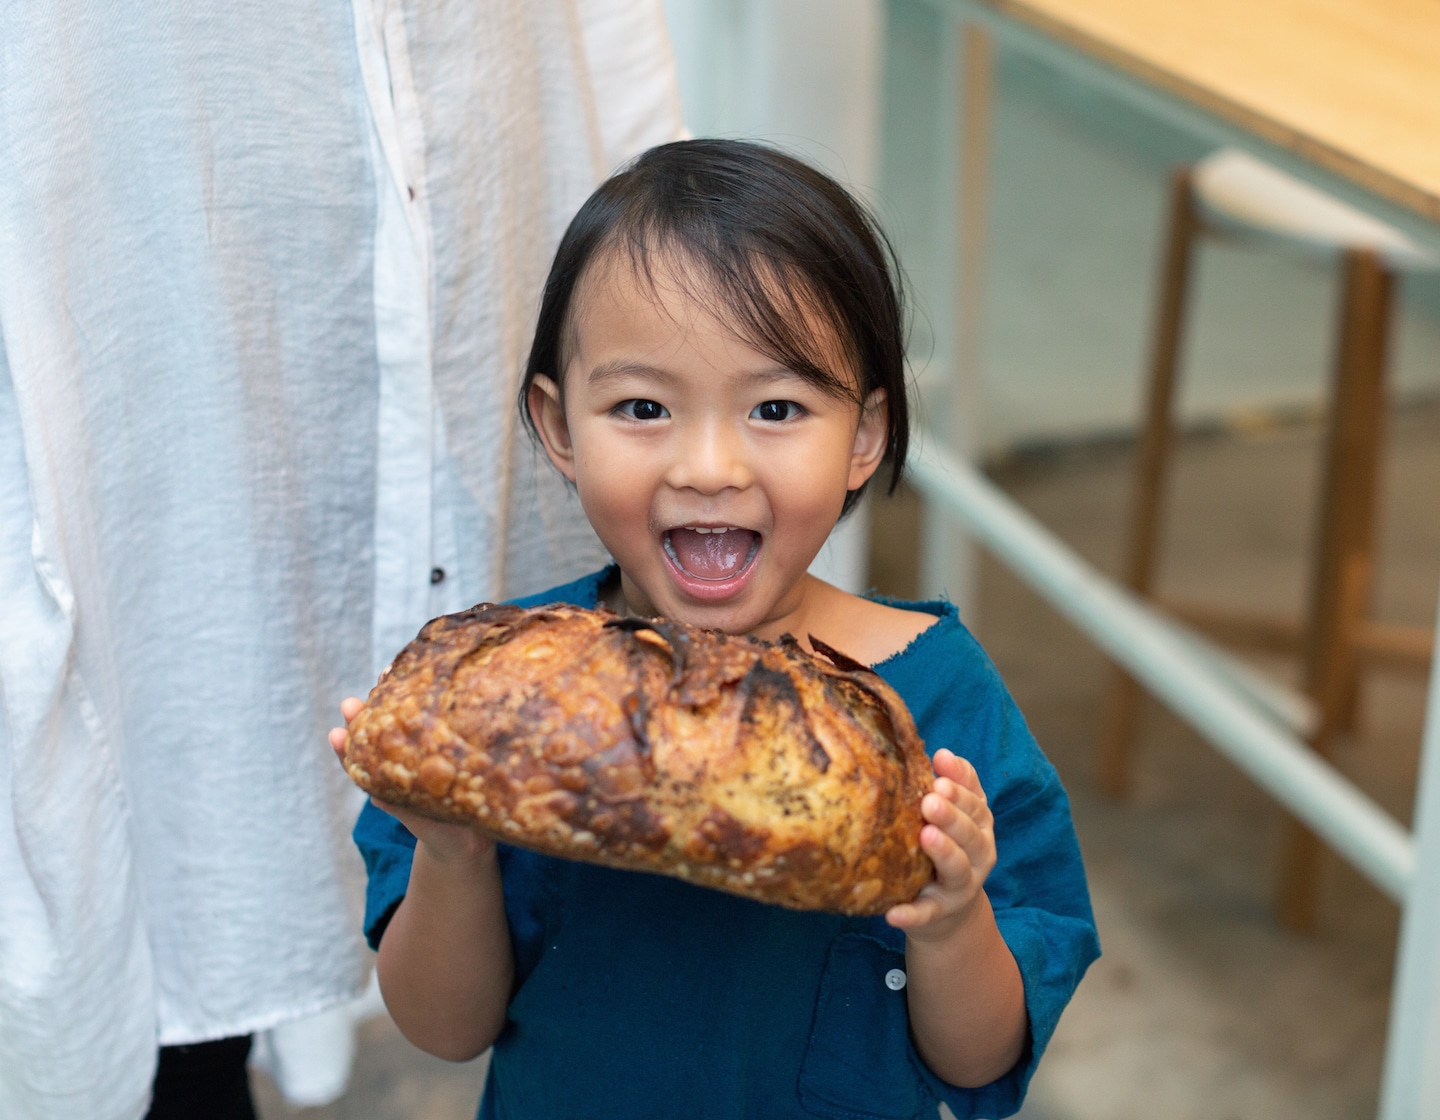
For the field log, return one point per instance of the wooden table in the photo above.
(1345, 93)
(1348, 86)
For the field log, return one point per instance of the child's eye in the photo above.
(642, 410)
(775, 411)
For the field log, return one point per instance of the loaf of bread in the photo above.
(746, 766)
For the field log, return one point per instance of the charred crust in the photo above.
(766, 689)
(842, 661)
(637, 712)
(628, 625)
(673, 633)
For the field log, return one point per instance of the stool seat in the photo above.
(1236, 190)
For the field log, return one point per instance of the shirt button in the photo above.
(895, 979)
(437, 575)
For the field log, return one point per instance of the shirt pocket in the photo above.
(859, 1064)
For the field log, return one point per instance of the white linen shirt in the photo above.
(267, 280)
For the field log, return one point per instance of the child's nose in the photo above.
(711, 458)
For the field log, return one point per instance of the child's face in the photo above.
(712, 474)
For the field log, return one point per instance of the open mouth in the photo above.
(713, 554)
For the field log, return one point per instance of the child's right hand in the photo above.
(444, 962)
(448, 843)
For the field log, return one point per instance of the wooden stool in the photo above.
(1232, 195)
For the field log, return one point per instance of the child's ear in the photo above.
(870, 439)
(548, 415)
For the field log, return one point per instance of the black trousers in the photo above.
(204, 1081)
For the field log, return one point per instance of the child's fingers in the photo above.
(928, 906)
(966, 825)
(952, 862)
(349, 708)
(958, 811)
(976, 808)
(956, 837)
(908, 915)
(947, 816)
(968, 802)
(950, 765)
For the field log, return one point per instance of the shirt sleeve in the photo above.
(1037, 888)
(1042, 908)
(388, 848)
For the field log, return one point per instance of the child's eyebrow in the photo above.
(618, 368)
(773, 374)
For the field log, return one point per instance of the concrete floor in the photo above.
(1202, 1008)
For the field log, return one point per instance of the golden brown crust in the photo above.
(737, 764)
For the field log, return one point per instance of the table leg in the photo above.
(948, 557)
(977, 93)
(1114, 761)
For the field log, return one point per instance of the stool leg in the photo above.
(1117, 737)
(1343, 557)
(1367, 498)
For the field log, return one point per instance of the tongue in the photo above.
(712, 555)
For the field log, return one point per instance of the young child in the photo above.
(718, 368)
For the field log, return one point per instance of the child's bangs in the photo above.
(768, 302)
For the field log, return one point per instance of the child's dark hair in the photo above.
(776, 242)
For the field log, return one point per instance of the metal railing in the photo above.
(1148, 646)
(1227, 710)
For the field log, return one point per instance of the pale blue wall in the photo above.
(1077, 189)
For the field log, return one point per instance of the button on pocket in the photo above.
(859, 1064)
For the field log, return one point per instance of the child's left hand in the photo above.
(959, 838)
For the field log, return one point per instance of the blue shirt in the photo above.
(638, 995)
